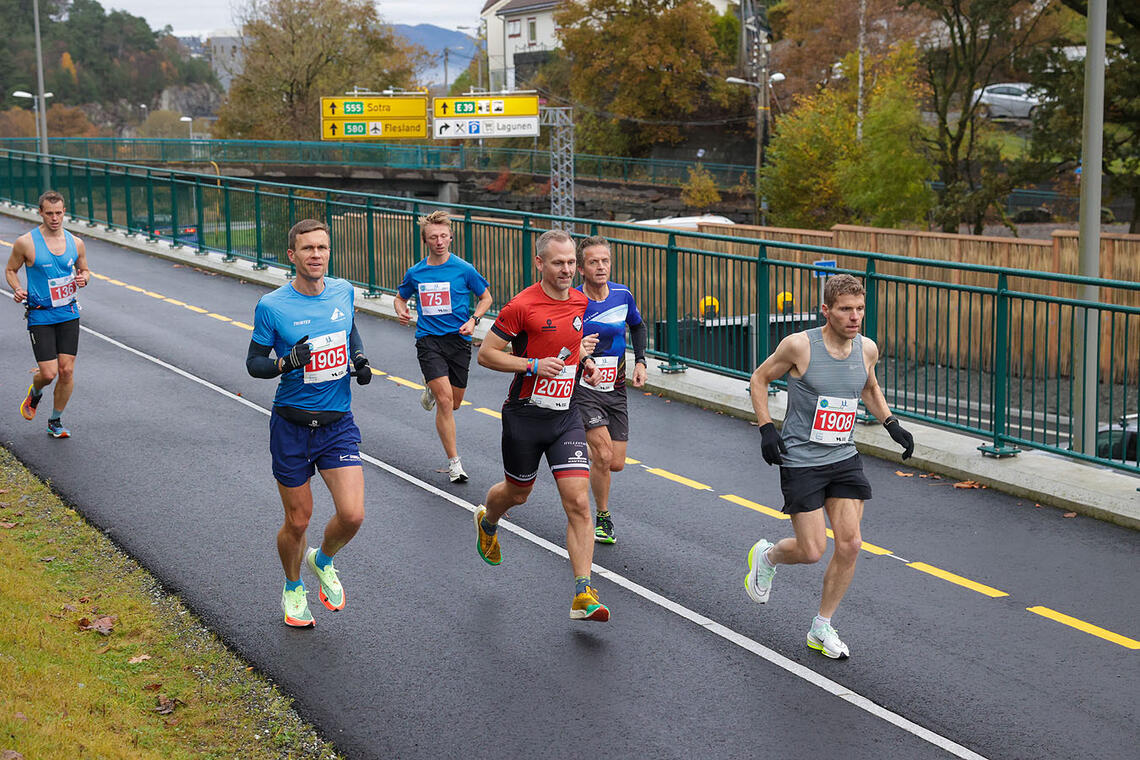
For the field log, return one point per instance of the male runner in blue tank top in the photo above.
(443, 284)
(603, 407)
(56, 267)
(829, 369)
(308, 324)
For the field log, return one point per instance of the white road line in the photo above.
(742, 641)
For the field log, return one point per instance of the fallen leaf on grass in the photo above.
(167, 704)
(967, 484)
(47, 559)
(103, 625)
(138, 658)
(68, 608)
(1069, 514)
(902, 474)
(3, 490)
(20, 716)
(7, 525)
(152, 687)
(84, 599)
(10, 754)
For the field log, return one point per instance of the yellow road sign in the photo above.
(350, 108)
(484, 106)
(373, 129)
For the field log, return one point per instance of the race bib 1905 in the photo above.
(62, 290)
(834, 420)
(434, 297)
(554, 392)
(608, 367)
(329, 360)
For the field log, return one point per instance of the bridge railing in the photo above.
(979, 349)
(404, 156)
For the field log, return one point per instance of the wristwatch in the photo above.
(476, 320)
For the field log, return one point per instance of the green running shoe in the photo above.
(332, 594)
(604, 530)
(295, 604)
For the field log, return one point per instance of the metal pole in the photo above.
(42, 116)
(761, 120)
(1092, 154)
(859, 102)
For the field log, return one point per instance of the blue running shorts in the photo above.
(299, 451)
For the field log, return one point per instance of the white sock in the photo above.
(453, 460)
(820, 620)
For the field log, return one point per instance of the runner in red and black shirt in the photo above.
(542, 327)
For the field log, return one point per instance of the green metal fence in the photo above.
(422, 157)
(978, 349)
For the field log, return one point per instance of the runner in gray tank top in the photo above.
(829, 370)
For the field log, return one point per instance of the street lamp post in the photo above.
(42, 116)
(762, 128)
(35, 112)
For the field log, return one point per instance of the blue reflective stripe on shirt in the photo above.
(608, 318)
(465, 281)
(285, 316)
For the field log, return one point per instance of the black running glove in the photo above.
(298, 357)
(771, 444)
(363, 371)
(901, 436)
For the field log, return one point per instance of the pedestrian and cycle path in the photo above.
(434, 653)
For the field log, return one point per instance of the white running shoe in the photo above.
(758, 582)
(427, 400)
(824, 639)
(455, 471)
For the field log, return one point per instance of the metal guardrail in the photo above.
(978, 349)
(403, 156)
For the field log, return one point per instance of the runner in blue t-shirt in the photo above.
(442, 285)
(603, 406)
(309, 325)
(55, 263)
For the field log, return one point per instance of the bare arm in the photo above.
(792, 354)
(82, 273)
(482, 306)
(402, 311)
(872, 394)
(493, 354)
(12, 271)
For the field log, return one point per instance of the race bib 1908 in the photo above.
(834, 420)
(608, 367)
(329, 360)
(554, 392)
(62, 290)
(434, 297)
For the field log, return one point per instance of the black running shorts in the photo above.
(444, 356)
(600, 409)
(529, 433)
(806, 488)
(49, 341)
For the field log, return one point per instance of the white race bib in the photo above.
(554, 392)
(834, 420)
(608, 367)
(434, 298)
(329, 360)
(62, 290)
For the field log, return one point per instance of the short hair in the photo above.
(438, 216)
(842, 285)
(303, 227)
(548, 237)
(590, 242)
(51, 196)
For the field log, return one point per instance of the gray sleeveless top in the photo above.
(819, 426)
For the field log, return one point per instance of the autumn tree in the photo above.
(296, 51)
(638, 71)
(69, 121)
(17, 122)
(699, 191)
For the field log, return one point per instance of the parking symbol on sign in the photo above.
(472, 127)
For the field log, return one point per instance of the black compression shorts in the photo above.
(49, 341)
(529, 433)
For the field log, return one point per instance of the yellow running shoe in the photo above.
(587, 607)
(487, 543)
(295, 605)
(332, 593)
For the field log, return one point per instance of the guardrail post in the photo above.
(672, 285)
(229, 257)
(763, 289)
(71, 189)
(328, 222)
(1001, 374)
(468, 239)
(871, 315)
(292, 221)
(527, 254)
(173, 212)
(130, 209)
(200, 211)
(150, 231)
(370, 242)
(260, 264)
(90, 195)
(107, 196)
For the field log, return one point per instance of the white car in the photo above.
(1010, 99)
(685, 222)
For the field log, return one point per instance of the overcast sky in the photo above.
(201, 17)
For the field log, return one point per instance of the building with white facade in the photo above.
(226, 56)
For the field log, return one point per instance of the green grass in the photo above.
(69, 692)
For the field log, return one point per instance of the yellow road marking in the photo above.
(489, 412)
(753, 505)
(175, 301)
(964, 582)
(865, 546)
(632, 461)
(5, 242)
(408, 383)
(96, 275)
(374, 371)
(1081, 625)
(465, 403)
(244, 326)
(159, 296)
(113, 281)
(678, 479)
(219, 317)
(135, 288)
(196, 309)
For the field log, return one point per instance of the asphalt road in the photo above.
(438, 654)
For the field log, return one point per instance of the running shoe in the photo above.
(455, 471)
(427, 400)
(758, 582)
(29, 404)
(823, 638)
(604, 530)
(487, 544)
(332, 594)
(587, 607)
(295, 605)
(57, 430)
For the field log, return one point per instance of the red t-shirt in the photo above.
(537, 327)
